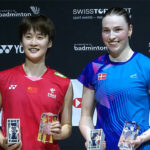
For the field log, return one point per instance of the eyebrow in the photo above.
(114, 27)
(38, 33)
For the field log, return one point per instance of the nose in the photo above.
(111, 35)
(33, 41)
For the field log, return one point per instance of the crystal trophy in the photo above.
(130, 132)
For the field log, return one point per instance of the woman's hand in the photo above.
(16, 146)
(55, 130)
(137, 142)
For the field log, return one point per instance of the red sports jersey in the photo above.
(26, 99)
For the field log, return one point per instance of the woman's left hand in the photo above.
(137, 142)
(55, 129)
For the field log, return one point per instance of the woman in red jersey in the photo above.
(32, 88)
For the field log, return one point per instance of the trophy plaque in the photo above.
(44, 128)
(97, 137)
(13, 131)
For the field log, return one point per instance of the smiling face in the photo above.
(35, 45)
(116, 33)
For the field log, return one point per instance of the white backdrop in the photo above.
(77, 101)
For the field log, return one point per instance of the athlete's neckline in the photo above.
(120, 63)
(33, 78)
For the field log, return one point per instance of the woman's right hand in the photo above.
(16, 146)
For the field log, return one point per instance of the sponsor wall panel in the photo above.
(78, 39)
(78, 31)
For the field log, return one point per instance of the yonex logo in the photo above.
(35, 10)
(12, 87)
(6, 49)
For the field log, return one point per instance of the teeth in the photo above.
(113, 42)
(33, 49)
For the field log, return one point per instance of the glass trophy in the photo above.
(97, 137)
(44, 128)
(13, 131)
(130, 132)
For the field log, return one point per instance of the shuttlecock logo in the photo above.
(35, 9)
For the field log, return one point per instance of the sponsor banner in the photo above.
(77, 103)
(84, 42)
(89, 47)
(11, 13)
(91, 13)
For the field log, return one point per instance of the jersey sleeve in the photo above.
(145, 69)
(147, 72)
(86, 76)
